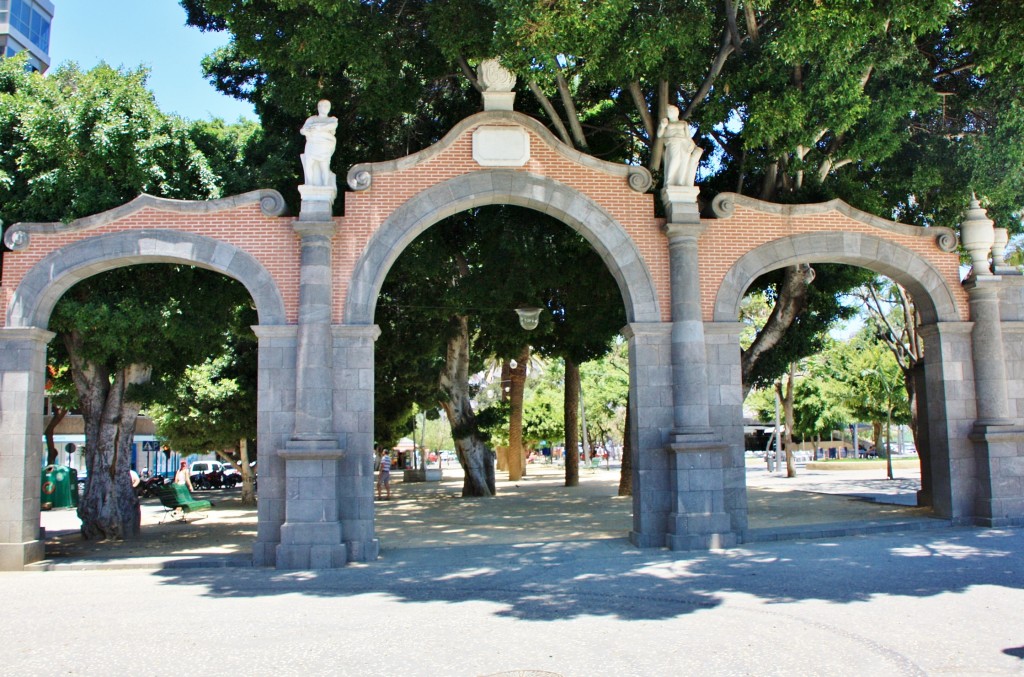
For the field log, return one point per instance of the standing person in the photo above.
(384, 478)
(182, 476)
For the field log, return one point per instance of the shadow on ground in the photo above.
(549, 581)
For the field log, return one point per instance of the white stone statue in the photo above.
(319, 131)
(682, 155)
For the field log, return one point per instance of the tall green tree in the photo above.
(448, 298)
(72, 144)
(900, 108)
(211, 406)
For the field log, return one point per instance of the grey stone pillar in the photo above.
(353, 416)
(950, 416)
(997, 434)
(22, 386)
(275, 403)
(725, 408)
(650, 402)
(698, 519)
(311, 536)
(689, 353)
(987, 351)
(313, 384)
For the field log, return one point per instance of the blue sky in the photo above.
(151, 33)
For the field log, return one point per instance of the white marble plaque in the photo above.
(501, 146)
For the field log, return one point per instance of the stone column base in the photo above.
(363, 551)
(311, 545)
(264, 553)
(14, 556)
(311, 534)
(1000, 501)
(700, 520)
(706, 531)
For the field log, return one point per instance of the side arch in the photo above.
(492, 187)
(929, 289)
(58, 271)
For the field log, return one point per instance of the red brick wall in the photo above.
(725, 241)
(270, 240)
(273, 243)
(366, 210)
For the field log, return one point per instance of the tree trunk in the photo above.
(51, 448)
(626, 474)
(790, 418)
(476, 459)
(918, 428)
(248, 481)
(109, 509)
(791, 301)
(572, 423)
(517, 383)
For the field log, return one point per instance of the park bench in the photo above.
(175, 497)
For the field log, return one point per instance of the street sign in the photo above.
(148, 445)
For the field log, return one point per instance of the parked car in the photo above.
(211, 475)
(232, 475)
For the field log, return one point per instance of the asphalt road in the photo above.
(946, 601)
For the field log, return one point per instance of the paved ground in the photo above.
(535, 509)
(935, 601)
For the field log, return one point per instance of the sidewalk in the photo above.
(538, 582)
(536, 509)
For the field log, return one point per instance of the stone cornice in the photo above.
(360, 176)
(35, 334)
(270, 201)
(724, 205)
(640, 329)
(356, 331)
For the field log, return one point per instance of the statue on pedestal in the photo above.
(319, 131)
(682, 155)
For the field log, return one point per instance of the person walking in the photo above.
(384, 477)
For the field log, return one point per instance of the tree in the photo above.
(875, 388)
(605, 387)
(126, 333)
(446, 278)
(896, 107)
(800, 318)
(892, 317)
(75, 143)
(212, 406)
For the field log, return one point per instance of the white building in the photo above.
(25, 26)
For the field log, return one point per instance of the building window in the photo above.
(30, 23)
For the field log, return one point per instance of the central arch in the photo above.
(493, 187)
(646, 333)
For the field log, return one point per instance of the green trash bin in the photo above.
(59, 487)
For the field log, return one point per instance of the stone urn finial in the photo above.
(977, 236)
(496, 82)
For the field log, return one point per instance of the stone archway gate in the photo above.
(315, 279)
